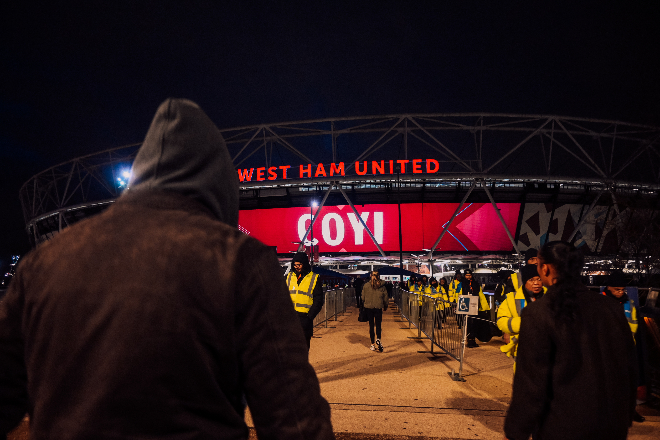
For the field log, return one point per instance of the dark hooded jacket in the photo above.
(139, 322)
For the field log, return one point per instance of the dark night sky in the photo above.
(83, 78)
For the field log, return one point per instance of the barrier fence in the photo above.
(434, 318)
(437, 320)
(336, 302)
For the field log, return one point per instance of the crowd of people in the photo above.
(201, 324)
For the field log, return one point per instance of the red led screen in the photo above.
(337, 229)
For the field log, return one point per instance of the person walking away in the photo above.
(158, 318)
(575, 371)
(375, 303)
(470, 286)
(616, 289)
(306, 293)
(508, 314)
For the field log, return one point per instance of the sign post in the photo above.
(466, 305)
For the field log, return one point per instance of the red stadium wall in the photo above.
(337, 229)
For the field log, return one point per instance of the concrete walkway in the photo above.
(403, 393)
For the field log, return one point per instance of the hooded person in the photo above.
(306, 293)
(509, 312)
(138, 322)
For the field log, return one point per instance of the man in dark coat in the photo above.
(306, 293)
(575, 373)
(158, 318)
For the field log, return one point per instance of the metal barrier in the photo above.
(437, 320)
(336, 302)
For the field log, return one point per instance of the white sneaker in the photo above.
(373, 347)
(380, 346)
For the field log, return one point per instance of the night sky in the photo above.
(87, 77)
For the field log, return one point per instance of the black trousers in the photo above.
(375, 318)
(307, 326)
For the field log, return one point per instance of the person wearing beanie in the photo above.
(504, 286)
(454, 285)
(508, 314)
(530, 257)
(470, 286)
(306, 293)
(616, 289)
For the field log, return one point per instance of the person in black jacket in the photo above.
(158, 318)
(575, 375)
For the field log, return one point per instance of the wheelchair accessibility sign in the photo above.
(467, 305)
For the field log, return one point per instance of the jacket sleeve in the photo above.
(318, 298)
(280, 386)
(505, 319)
(385, 297)
(531, 383)
(13, 374)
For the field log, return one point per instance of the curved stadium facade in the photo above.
(442, 186)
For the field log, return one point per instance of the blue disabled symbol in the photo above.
(464, 304)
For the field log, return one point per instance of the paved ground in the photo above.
(402, 394)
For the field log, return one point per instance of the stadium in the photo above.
(426, 192)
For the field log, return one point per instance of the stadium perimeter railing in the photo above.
(336, 302)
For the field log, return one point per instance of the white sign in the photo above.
(467, 305)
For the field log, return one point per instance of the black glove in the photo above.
(385, 308)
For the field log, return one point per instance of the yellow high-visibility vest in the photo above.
(302, 294)
(508, 320)
(453, 285)
(439, 294)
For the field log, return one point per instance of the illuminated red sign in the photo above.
(337, 229)
(414, 166)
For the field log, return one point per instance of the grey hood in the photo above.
(185, 153)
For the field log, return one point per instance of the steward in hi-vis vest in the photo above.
(435, 290)
(453, 286)
(470, 286)
(306, 293)
(508, 314)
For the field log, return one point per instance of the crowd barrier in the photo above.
(336, 302)
(434, 318)
(437, 320)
